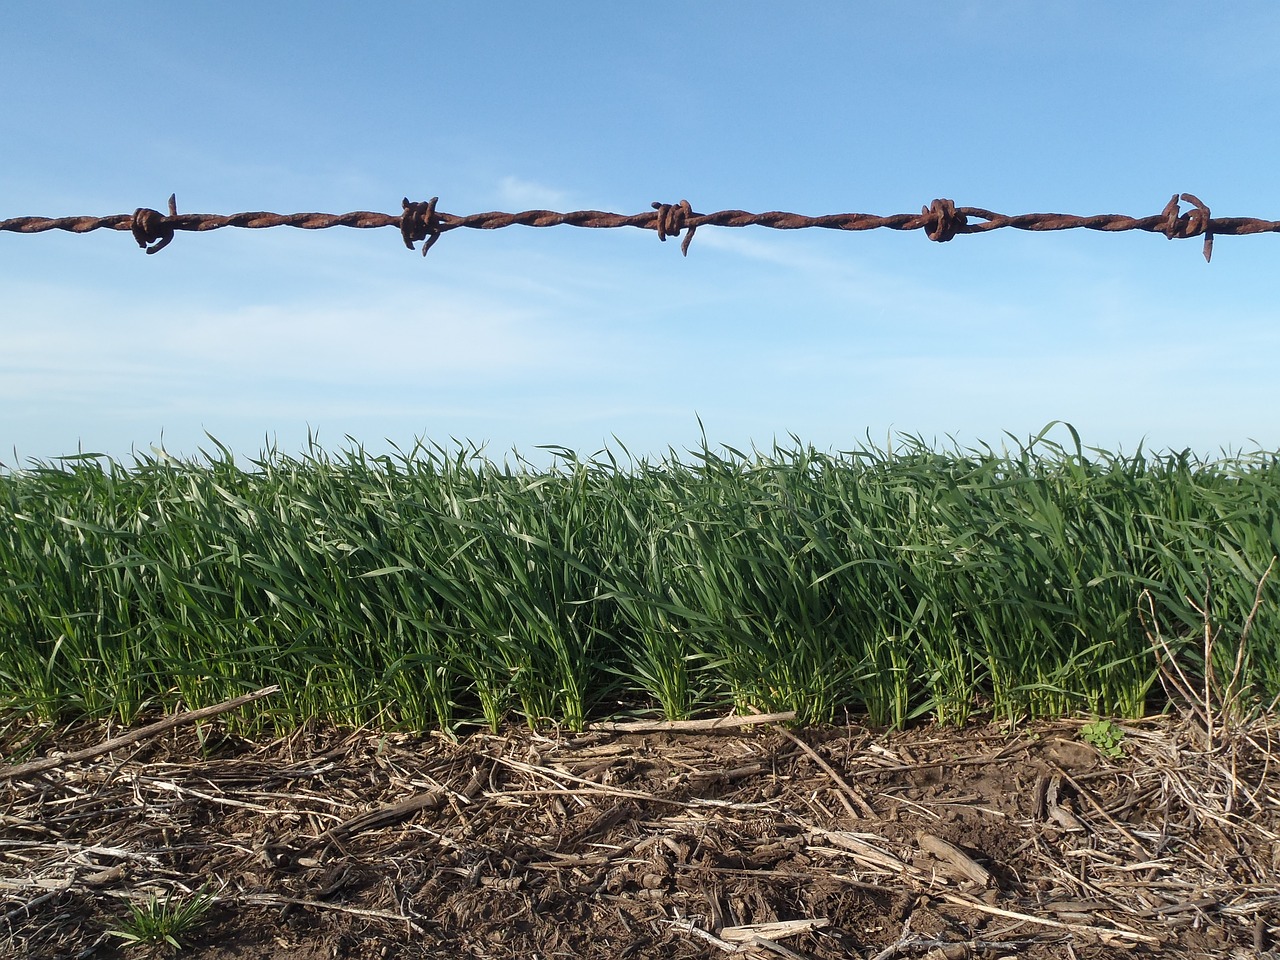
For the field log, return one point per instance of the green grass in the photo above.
(165, 923)
(435, 587)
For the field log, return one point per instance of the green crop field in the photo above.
(436, 587)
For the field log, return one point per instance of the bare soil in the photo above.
(767, 842)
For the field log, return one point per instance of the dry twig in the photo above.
(24, 770)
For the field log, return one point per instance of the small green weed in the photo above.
(1106, 736)
(165, 922)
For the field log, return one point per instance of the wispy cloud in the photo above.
(521, 193)
(850, 282)
(391, 363)
(394, 337)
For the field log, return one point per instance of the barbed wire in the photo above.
(941, 221)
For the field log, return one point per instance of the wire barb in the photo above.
(1192, 224)
(153, 227)
(671, 219)
(944, 220)
(419, 221)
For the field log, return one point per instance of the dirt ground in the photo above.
(760, 841)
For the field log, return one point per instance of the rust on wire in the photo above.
(671, 220)
(152, 229)
(941, 222)
(945, 221)
(1194, 224)
(419, 222)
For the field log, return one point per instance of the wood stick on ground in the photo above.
(777, 948)
(22, 770)
(30, 905)
(1104, 932)
(775, 931)
(957, 861)
(709, 725)
(271, 900)
(393, 813)
(849, 792)
(688, 926)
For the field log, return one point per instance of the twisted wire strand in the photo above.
(941, 221)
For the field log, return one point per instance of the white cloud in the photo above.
(392, 338)
(519, 193)
(395, 363)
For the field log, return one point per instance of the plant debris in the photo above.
(826, 842)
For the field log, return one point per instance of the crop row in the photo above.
(436, 586)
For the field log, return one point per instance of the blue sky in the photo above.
(520, 337)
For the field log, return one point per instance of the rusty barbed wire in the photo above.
(941, 221)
